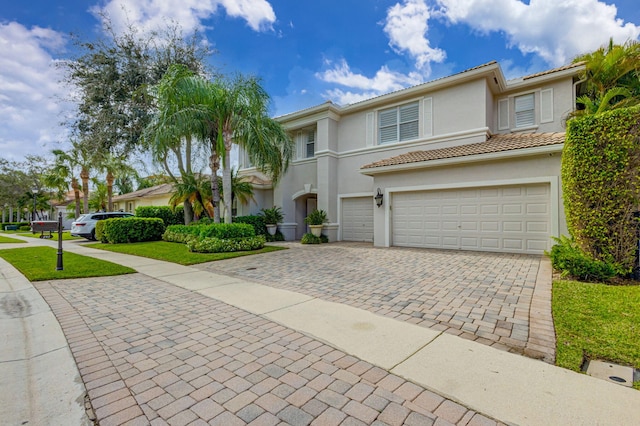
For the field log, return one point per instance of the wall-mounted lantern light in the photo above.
(378, 197)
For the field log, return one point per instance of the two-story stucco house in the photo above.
(470, 161)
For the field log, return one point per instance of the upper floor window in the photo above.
(311, 143)
(525, 110)
(399, 123)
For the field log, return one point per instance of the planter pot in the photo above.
(316, 230)
(271, 229)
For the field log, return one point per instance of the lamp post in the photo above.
(35, 192)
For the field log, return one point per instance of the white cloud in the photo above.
(406, 26)
(149, 15)
(384, 81)
(555, 30)
(30, 92)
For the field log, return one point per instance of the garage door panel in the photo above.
(357, 219)
(509, 218)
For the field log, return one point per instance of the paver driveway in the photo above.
(153, 353)
(480, 296)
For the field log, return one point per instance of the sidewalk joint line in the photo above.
(417, 350)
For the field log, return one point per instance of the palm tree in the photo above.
(612, 77)
(99, 198)
(63, 175)
(195, 190)
(240, 188)
(183, 101)
(114, 166)
(241, 113)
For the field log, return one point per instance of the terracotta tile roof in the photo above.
(551, 71)
(496, 143)
(165, 188)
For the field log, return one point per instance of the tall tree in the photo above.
(113, 166)
(241, 112)
(65, 171)
(109, 75)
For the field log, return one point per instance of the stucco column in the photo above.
(327, 171)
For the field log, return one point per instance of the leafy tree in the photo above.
(109, 77)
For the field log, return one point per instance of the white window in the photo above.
(399, 123)
(311, 144)
(525, 110)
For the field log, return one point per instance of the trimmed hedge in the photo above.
(168, 215)
(227, 230)
(217, 245)
(256, 221)
(309, 238)
(130, 230)
(601, 185)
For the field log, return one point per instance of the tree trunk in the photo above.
(110, 191)
(76, 195)
(188, 212)
(214, 164)
(84, 175)
(226, 186)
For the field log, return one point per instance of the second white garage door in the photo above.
(513, 219)
(357, 219)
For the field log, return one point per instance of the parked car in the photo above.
(85, 225)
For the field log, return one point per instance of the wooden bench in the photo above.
(43, 226)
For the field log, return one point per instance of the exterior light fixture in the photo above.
(378, 197)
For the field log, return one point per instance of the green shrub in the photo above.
(316, 217)
(168, 215)
(275, 237)
(180, 233)
(100, 231)
(272, 216)
(570, 260)
(202, 221)
(309, 238)
(132, 230)
(601, 185)
(217, 245)
(256, 221)
(25, 228)
(227, 230)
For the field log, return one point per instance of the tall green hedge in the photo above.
(601, 184)
(130, 230)
(168, 215)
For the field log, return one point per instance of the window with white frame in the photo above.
(311, 144)
(398, 124)
(524, 110)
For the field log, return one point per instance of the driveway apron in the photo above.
(154, 353)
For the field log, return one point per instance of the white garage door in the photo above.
(513, 219)
(357, 219)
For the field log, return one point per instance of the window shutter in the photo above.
(409, 115)
(546, 105)
(503, 114)
(388, 125)
(525, 112)
(427, 114)
(311, 139)
(370, 129)
(300, 148)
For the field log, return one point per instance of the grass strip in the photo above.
(4, 239)
(596, 320)
(176, 252)
(39, 264)
(66, 236)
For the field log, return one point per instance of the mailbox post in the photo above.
(59, 266)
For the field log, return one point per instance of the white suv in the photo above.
(85, 225)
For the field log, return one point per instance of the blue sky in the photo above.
(306, 52)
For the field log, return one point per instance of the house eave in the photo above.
(492, 156)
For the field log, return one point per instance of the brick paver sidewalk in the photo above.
(484, 297)
(153, 353)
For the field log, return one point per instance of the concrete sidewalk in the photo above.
(501, 385)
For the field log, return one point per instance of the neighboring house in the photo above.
(470, 161)
(158, 195)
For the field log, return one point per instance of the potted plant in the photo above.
(271, 218)
(315, 220)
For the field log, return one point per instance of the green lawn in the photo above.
(39, 264)
(4, 239)
(66, 236)
(176, 252)
(601, 321)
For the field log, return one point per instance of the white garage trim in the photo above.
(553, 182)
(341, 197)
